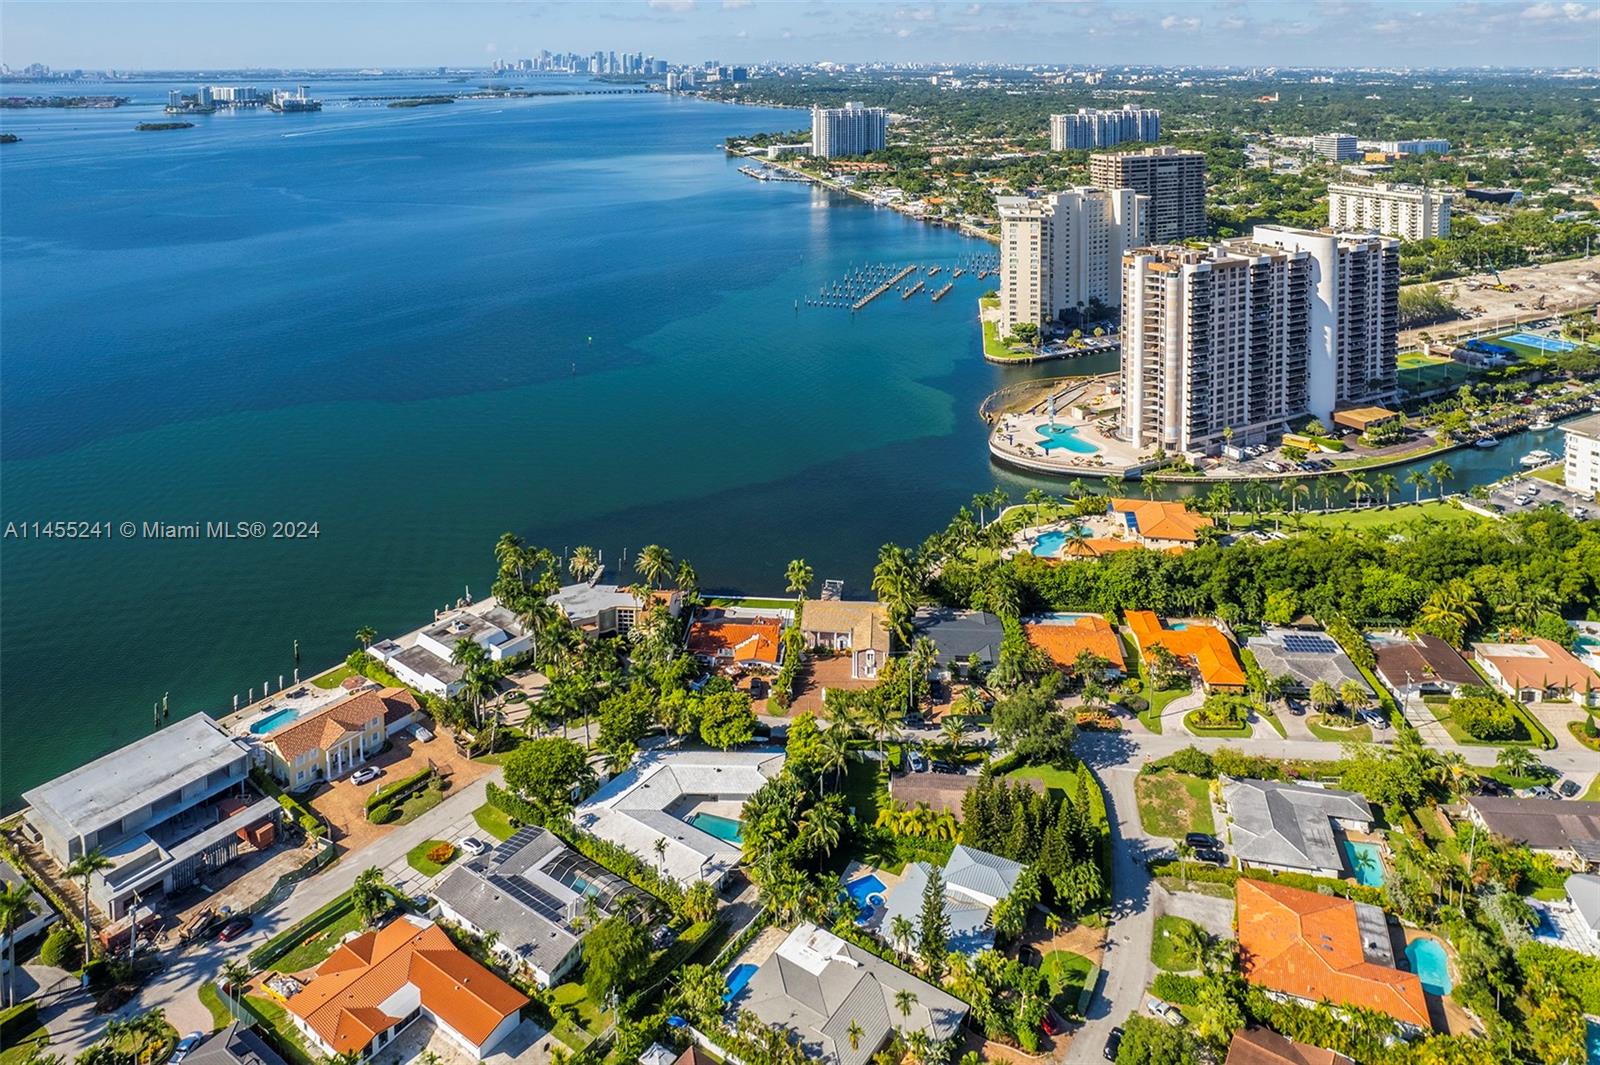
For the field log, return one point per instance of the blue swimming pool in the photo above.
(724, 828)
(865, 891)
(1366, 863)
(1593, 1043)
(740, 976)
(1533, 340)
(1426, 959)
(1063, 438)
(273, 721)
(1049, 544)
(1546, 927)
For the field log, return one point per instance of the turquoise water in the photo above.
(1063, 438)
(723, 828)
(1533, 340)
(275, 720)
(1369, 871)
(1593, 1042)
(1426, 958)
(737, 979)
(1049, 544)
(862, 888)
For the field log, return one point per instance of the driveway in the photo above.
(344, 804)
(1556, 717)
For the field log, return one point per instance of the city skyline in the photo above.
(140, 35)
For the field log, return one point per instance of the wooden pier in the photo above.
(912, 291)
(883, 287)
(948, 285)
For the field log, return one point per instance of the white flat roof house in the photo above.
(689, 801)
(423, 658)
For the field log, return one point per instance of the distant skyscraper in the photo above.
(1174, 180)
(848, 130)
(1408, 211)
(1337, 147)
(1090, 128)
(1063, 251)
(1417, 147)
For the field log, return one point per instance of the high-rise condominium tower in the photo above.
(1062, 251)
(1408, 211)
(1091, 128)
(1174, 180)
(848, 130)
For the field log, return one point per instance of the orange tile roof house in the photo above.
(377, 983)
(747, 642)
(332, 742)
(1155, 521)
(1537, 670)
(1204, 646)
(1263, 1046)
(1314, 947)
(1066, 636)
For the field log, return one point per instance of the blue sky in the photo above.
(137, 34)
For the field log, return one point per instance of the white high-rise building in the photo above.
(1062, 252)
(849, 130)
(1247, 337)
(1092, 128)
(1416, 147)
(1582, 467)
(1408, 211)
(1338, 147)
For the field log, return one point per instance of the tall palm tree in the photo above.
(1388, 485)
(687, 579)
(584, 562)
(1356, 487)
(1151, 485)
(365, 635)
(833, 752)
(1077, 488)
(1036, 499)
(1418, 481)
(799, 575)
(1297, 491)
(83, 869)
(950, 731)
(508, 553)
(1441, 472)
(904, 999)
(16, 906)
(896, 582)
(653, 564)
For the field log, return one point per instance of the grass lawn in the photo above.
(1555, 473)
(578, 1019)
(335, 678)
(494, 821)
(316, 947)
(275, 1017)
(417, 805)
(1361, 733)
(1164, 950)
(752, 602)
(1429, 510)
(26, 1046)
(211, 999)
(417, 857)
(995, 348)
(1440, 709)
(1173, 804)
(1227, 732)
(1593, 794)
(1066, 972)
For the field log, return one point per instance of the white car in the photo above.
(186, 1044)
(474, 846)
(365, 774)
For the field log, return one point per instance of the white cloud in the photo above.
(671, 5)
(1569, 12)
(916, 14)
(1186, 25)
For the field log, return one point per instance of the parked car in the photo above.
(1165, 1011)
(946, 767)
(1539, 791)
(1569, 789)
(186, 1044)
(365, 774)
(917, 762)
(474, 846)
(1374, 719)
(1210, 856)
(1202, 839)
(235, 927)
(1113, 1044)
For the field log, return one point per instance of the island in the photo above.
(149, 127)
(9, 138)
(423, 101)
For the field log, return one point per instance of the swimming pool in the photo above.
(1049, 544)
(273, 721)
(1427, 960)
(1366, 863)
(739, 977)
(1533, 340)
(1063, 438)
(865, 892)
(723, 828)
(1593, 1043)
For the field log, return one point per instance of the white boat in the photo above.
(1542, 424)
(1485, 442)
(1537, 458)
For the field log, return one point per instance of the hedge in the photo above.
(391, 793)
(1176, 989)
(302, 815)
(1210, 874)
(18, 1021)
(671, 960)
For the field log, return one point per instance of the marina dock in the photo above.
(904, 273)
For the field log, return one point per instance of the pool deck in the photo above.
(1015, 440)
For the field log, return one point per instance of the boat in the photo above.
(1541, 423)
(1485, 442)
(1537, 458)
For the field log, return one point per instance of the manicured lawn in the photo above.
(1066, 972)
(26, 1046)
(1593, 794)
(1530, 736)
(275, 1017)
(335, 678)
(753, 603)
(995, 348)
(494, 821)
(1429, 510)
(1361, 733)
(417, 805)
(1174, 804)
(1555, 473)
(417, 857)
(317, 946)
(1164, 950)
(1228, 732)
(211, 999)
(579, 1020)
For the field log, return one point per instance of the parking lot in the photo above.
(1524, 493)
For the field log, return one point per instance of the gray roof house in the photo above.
(532, 890)
(974, 883)
(960, 634)
(818, 986)
(1290, 826)
(1305, 656)
(1583, 892)
(234, 1045)
(1568, 831)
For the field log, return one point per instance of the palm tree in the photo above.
(653, 564)
(1185, 856)
(904, 999)
(16, 906)
(1418, 481)
(1077, 488)
(1388, 485)
(855, 1033)
(1037, 498)
(1151, 485)
(508, 553)
(83, 868)
(1325, 490)
(896, 582)
(369, 894)
(584, 563)
(1323, 697)
(1354, 697)
(902, 932)
(365, 635)
(950, 731)
(1450, 610)
(1518, 761)
(1356, 487)
(799, 576)
(1441, 472)
(660, 846)
(1297, 491)
(235, 974)
(833, 753)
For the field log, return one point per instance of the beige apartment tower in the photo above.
(1175, 181)
(1061, 253)
(1408, 211)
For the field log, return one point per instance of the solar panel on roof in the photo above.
(1310, 645)
(538, 901)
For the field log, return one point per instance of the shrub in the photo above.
(390, 793)
(1191, 760)
(1133, 685)
(1485, 717)
(1229, 762)
(380, 813)
(61, 947)
(442, 854)
(1137, 703)
(1177, 989)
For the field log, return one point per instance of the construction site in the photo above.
(1495, 300)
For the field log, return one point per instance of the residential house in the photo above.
(236, 1044)
(43, 915)
(841, 1001)
(1200, 644)
(857, 629)
(1583, 902)
(154, 808)
(1314, 947)
(974, 883)
(960, 638)
(334, 741)
(535, 894)
(1263, 1046)
(608, 609)
(1421, 665)
(1290, 827)
(1538, 670)
(1305, 656)
(376, 984)
(1066, 636)
(1157, 523)
(754, 643)
(1567, 831)
(425, 659)
(686, 802)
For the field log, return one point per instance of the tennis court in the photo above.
(1534, 340)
